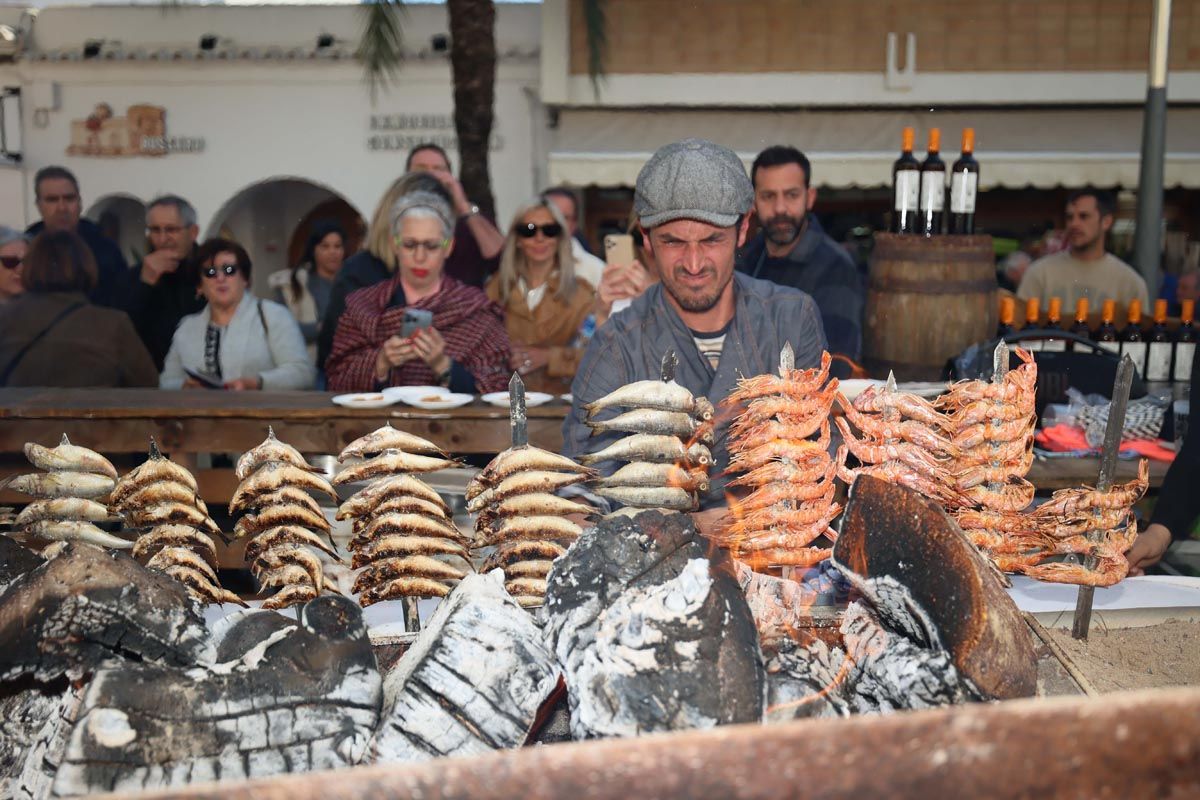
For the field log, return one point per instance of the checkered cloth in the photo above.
(1143, 420)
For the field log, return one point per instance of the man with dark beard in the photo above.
(692, 200)
(793, 250)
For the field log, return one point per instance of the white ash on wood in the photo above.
(473, 681)
(651, 635)
(35, 722)
(87, 605)
(280, 698)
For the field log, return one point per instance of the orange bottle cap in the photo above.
(1055, 308)
(907, 140)
(1032, 311)
(1007, 308)
(1110, 309)
(935, 140)
(1160, 310)
(1081, 308)
(1187, 310)
(1135, 310)
(968, 140)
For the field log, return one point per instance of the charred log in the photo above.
(86, 605)
(289, 699)
(15, 561)
(651, 634)
(473, 681)
(35, 721)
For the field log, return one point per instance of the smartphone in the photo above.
(414, 320)
(618, 249)
(204, 379)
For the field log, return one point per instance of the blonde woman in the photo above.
(545, 304)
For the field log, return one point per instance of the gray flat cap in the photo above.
(693, 179)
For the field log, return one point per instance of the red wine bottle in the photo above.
(906, 188)
(933, 187)
(964, 183)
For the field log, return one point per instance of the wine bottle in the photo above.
(1032, 314)
(933, 187)
(1133, 344)
(1054, 322)
(906, 188)
(1106, 332)
(1080, 328)
(964, 182)
(1007, 309)
(1159, 346)
(1185, 343)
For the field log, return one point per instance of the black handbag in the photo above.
(1088, 367)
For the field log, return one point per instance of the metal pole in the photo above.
(1148, 237)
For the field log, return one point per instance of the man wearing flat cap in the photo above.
(692, 200)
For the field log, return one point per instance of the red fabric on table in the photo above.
(1070, 438)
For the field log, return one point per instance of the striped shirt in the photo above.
(710, 345)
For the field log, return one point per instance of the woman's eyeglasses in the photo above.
(229, 269)
(529, 230)
(10, 262)
(413, 245)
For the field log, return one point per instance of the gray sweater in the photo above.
(247, 350)
(630, 346)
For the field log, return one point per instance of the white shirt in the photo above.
(587, 266)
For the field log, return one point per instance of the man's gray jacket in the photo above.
(630, 347)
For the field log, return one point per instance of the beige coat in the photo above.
(553, 325)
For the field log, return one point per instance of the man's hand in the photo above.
(192, 383)
(157, 264)
(461, 204)
(244, 384)
(430, 347)
(1148, 548)
(527, 359)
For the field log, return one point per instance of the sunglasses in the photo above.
(529, 230)
(10, 262)
(229, 269)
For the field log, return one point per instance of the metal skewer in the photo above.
(1108, 469)
(669, 362)
(517, 419)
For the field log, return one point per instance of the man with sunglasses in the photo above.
(692, 200)
(56, 193)
(162, 288)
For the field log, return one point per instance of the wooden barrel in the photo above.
(928, 299)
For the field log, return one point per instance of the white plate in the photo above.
(403, 393)
(364, 400)
(853, 387)
(444, 401)
(567, 398)
(531, 399)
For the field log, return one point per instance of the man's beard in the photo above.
(691, 302)
(1085, 246)
(783, 229)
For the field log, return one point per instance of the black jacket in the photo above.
(156, 310)
(111, 266)
(1178, 501)
(359, 271)
(819, 267)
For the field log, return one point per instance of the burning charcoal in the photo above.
(35, 721)
(88, 604)
(651, 635)
(472, 682)
(891, 672)
(290, 699)
(806, 681)
(15, 561)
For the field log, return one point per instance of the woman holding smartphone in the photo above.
(544, 303)
(421, 327)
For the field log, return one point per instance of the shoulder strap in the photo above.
(16, 360)
(263, 319)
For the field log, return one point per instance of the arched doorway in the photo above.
(339, 211)
(268, 217)
(122, 218)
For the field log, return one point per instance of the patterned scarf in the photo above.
(470, 323)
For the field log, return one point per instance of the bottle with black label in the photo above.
(1133, 344)
(964, 182)
(1185, 343)
(1106, 333)
(933, 186)
(1080, 328)
(1159, 346)
(906, 188)
(1007, 309)
(1032, 314)
(1054, 322)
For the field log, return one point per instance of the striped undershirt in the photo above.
(711, 344)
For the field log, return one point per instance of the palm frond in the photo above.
(381, 48)
(597, 40)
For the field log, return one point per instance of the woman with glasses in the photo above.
(13, 246)
(421, 327)
(237, 341)
(544, 303)
(51, 334)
